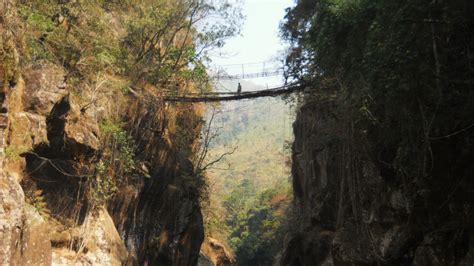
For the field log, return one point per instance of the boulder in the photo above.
(214, 253)
(70, 132)
(97, 242)
(24, 237)
(45, 86)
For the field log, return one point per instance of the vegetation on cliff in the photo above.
(391, 84)
(154, 41)
(403, 69)
(112, 47)
(87, 132)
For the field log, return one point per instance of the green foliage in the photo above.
(399, 69)
(118, 161)
(259, 130)
(246, 182)
(104, 186)
(75, 34)
(155, 40)
(119, 145)
(257, 227)
(37, 19)
(162, 43)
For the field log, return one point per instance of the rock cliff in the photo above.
(351, 209)
(49, 144)
(57, 206)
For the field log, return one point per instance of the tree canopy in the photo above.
(161, 42)
(401, 69)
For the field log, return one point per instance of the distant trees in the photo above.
(256, 221)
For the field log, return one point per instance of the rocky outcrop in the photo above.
(351, 209)
(96, 238)
(50, 151)
(214, 253)
(159, 217)
(24, 234)
(28, 225)
(51, 146)
(59, 165)
(45, 86)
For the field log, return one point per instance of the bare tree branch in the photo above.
(208, 136)
(219, 159)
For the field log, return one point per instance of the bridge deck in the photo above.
(232, 96)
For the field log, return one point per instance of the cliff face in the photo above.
(351, 209)
(23, 232)
(51, 149)
(49, 144)
(159, 217)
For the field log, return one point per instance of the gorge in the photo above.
(97, 169)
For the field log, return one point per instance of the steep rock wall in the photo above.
(351, 209)
(49, 146)
(49, 142)
(42, 137)
(23, 232)
(159, 217)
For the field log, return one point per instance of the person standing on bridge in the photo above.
(239, 88)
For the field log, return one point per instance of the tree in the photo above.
(256, 223)
(75, 34)
(167, 39)
(162, 42)
(400, 68)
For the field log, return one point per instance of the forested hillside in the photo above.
(250, 188)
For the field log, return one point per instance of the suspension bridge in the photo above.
(261, 74)
(232, 96)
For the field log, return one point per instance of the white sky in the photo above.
(259, 39)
